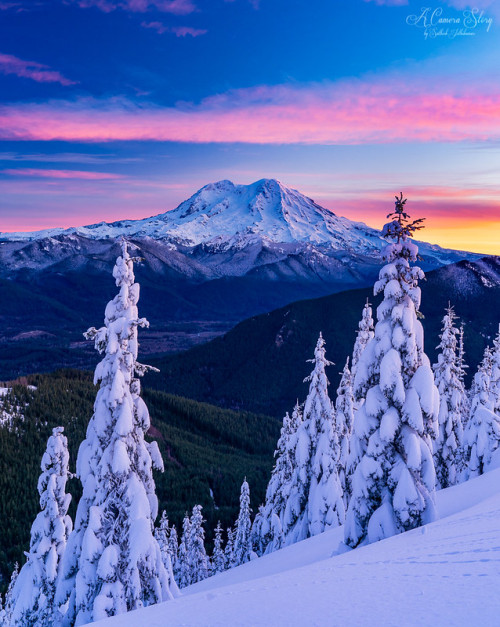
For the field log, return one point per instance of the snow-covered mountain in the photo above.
(223, 215)
(227, 214)
(445, 573)
(225, 254)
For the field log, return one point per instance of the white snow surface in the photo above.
(446, 573)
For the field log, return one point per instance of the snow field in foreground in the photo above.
(446, 573)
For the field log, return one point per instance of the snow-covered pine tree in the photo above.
(242, 543)
(259, 535)
(495, 374)
(182, 571)
(315, 498)
(344, 418)
(33, 594)
(9, 597)
(482, 434)
(162, 535)
(196, 554)
(451, 393)
(112, 563)
(173, 546)
(218, 557)
(462, 369)
(364, 335)
(393, 486)
(228, 551)
(462, 366)
(162, 532)
(267, 530)
(3, 622)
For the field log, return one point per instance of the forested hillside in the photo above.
(205, 449)
(261, 363)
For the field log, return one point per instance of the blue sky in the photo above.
(122, 109)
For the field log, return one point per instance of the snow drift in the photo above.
(444, 573)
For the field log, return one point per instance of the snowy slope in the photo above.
(446, 573)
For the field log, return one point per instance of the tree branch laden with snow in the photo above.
(393, 485)
(112, 562)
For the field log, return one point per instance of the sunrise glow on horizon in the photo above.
(349, 103)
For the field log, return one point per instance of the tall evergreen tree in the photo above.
(447, 376)
(462, 365)
(112, 562)
(173, 545)
(315, 498)
(344, 419)
(393, 487)
(495, 374)
(162, 534)
(182, 571)
(196, 554)
(242, 544)
(218, 558)
(364, 335)
(267, 530)
(229, 550)
(9, 597)
(482, 434)
(462, 369)
(33, 594)
(260, 536)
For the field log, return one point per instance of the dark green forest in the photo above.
(204, 449)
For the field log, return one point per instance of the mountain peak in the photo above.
(224, 215)
(218, 186)
(267, 210)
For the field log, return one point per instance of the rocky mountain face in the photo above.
(227, 253)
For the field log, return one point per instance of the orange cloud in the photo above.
(464, 219)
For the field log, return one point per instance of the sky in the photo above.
(121, 109)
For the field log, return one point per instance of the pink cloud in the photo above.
(183, 31)
(176, 7)
(63, 174)
(462, 5)
(390, 3)
(384, 110)
(178, 31)
(466, 205)
(31, 69)
(159, 27)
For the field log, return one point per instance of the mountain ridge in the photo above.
(217, 261)
(224, 214)
(261, 363)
